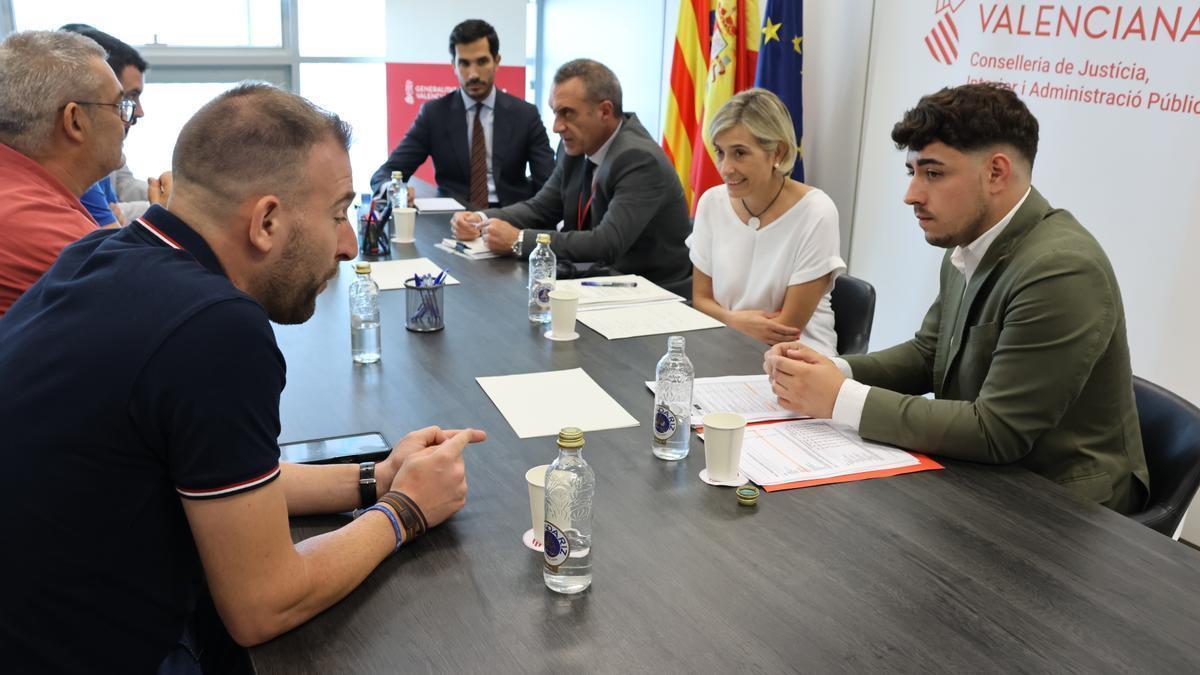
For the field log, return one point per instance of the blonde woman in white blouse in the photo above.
(765, 247)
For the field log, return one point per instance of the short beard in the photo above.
(969, 232)
(289, 291)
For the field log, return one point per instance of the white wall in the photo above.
(622, 34)
(418, 31)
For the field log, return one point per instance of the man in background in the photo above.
(481, 139)
(63, 117)
(119, 198)
(619, 201)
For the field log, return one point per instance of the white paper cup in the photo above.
(723, 434)
(535, 478)
(564, 304)
(405, 219)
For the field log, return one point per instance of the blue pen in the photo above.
(460, 246)
(610, 284)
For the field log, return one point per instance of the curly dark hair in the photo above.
(969, 117)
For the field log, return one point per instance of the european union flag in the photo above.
(781, 64)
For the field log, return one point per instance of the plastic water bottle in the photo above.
(673, 402)
(364, 316)
(397, 196)
(543, 270)
(567, 536)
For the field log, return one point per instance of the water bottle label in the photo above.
(541, 293)
(665, 422)
(556, 546)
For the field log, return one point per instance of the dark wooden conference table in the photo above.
(972, 568)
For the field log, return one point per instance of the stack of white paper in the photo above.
(804, 450)
(437, 204)
(656, 318)
(474, 249)
(391, 274)
(602, 295)
(747, 395)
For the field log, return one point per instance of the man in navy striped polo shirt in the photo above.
(140, 382)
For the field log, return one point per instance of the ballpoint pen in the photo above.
(610, 284)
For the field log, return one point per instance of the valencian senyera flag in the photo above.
(685, 102)
(781, 64)
(716, 49)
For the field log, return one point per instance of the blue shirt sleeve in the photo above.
(95, 199)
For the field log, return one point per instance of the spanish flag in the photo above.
(716, 51)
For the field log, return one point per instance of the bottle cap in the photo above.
(747, 495)
(362, 268)
(397, 175)
(543, 239)
(570, 437)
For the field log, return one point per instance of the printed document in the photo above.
(812, 450)
(474, 249)
(747, 395)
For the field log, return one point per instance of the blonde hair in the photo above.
(765, 117)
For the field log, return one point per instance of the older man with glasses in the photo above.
(63, 117)
(120, 198)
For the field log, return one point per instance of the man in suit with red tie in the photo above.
(619, 201)
(480, 138)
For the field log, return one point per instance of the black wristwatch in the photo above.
(519, 244)
(366, 484)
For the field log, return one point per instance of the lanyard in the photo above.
(584, 208)
(581, 209)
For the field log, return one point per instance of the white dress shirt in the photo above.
(486, 116)
(852, 397)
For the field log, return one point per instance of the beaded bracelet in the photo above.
(391, 517)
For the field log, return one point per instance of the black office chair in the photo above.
(1171, 439)
(853, 303)
(683, 287)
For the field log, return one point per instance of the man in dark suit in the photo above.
(618, 198)
(480, 138)
(1024, 349)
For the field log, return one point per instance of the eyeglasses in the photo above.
(125, 108)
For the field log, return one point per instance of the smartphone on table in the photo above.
(350, 449)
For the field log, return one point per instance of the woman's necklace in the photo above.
(754, 221)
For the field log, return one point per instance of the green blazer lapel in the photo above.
(1029, 215)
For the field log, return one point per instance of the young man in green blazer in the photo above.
(1024, 349)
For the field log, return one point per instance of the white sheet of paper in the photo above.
(647, 319)
(540, 404)
(799, 450)
(391, 274)
(594, 297)
(747, 395)
(434, 204)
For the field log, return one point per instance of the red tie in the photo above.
(479, 187)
